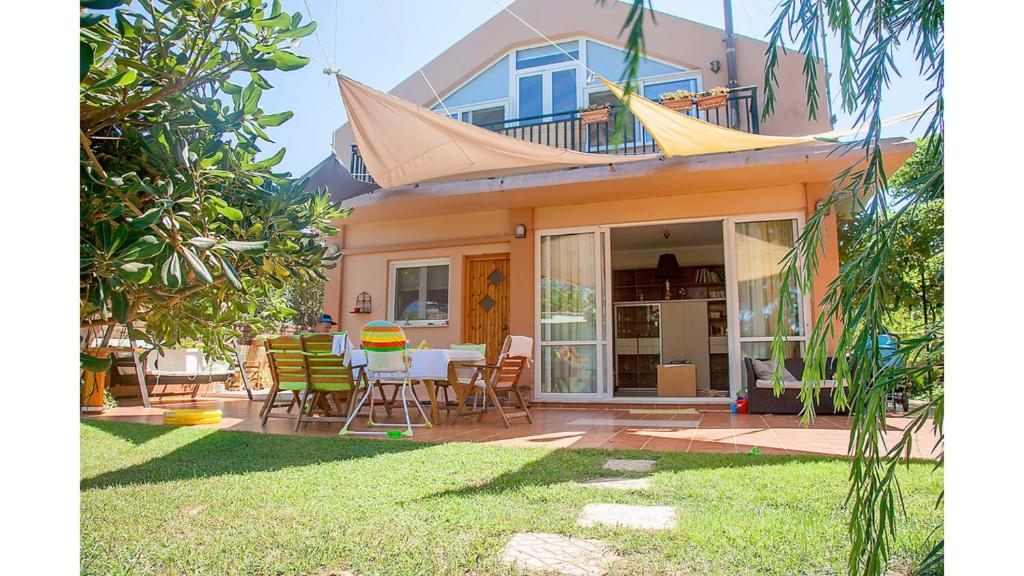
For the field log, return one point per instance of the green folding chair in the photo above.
(329, 379)
(288, 371)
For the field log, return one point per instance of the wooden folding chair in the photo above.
(500, 379)
(459, 377)
(288, 371)
(329, 379)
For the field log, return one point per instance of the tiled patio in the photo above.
(709, 430)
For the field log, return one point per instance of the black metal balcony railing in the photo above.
(567, 130)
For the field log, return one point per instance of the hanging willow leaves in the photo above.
(857, 306)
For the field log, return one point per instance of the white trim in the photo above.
(605, 377)
(732, 288)
(602, 388)
(393, 266)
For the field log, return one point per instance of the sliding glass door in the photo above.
(571, 315)
(758, 249)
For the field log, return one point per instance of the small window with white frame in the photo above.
(419, 292)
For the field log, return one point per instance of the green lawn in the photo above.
(164, 500)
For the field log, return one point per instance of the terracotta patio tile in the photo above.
(717, 431)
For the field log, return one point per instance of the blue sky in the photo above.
(361, 44)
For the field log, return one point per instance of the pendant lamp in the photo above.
(668, 266)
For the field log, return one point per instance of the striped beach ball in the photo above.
(382, 336)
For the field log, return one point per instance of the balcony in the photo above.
(567, 130)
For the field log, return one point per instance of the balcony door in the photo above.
(571, 315)
(545, 91)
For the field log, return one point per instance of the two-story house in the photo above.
(613, 270)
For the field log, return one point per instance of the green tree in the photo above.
(890, 242)
(305, 296)
(884, 234)
(186, 230)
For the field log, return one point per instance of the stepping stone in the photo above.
(620, 483)
(555, 553)
(629, 516)
(623, 465)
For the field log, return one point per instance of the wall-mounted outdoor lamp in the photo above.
(716, 66)
(520, 231)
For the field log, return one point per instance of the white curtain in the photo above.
(760, 249)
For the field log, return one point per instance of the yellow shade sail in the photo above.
(681, 135)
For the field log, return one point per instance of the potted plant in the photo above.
(713, 98)
(595, 113)
(679, 100)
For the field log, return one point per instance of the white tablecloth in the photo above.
(426, 364)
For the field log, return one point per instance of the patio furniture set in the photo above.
(332, 381)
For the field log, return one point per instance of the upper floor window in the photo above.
(544, 55)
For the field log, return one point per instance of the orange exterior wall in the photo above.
(370, 247)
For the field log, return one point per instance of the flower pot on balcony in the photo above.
(679, 104)
(713, 101)
(595, 116)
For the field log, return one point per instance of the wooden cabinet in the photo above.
(684, 336)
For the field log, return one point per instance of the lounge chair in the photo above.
(761, 396)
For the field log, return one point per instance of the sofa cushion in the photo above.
(791, 384)
(765, 369)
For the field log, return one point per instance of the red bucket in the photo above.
(741, 405)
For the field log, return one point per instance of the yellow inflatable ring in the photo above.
(192, 417)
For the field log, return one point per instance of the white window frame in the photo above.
(732, 295)
(393, 267)
(458, 110)
(603, 330)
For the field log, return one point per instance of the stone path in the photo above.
(628, 516)
(583, 557)
(556, 553)
(621, 465)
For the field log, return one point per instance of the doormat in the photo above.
(663, 411)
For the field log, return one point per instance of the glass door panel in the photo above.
(570, 314)
(563, 93)
(759, 249)
(531, 97)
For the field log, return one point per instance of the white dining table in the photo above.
(427, 365)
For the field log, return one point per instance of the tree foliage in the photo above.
(186, 228)
(889, 240)
(887, 237)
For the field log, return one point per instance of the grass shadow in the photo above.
(222, 452)
(137, 435)
(582, 464)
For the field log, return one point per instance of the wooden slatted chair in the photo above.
(458, 377)
(288, 370)
(329, 379)
(502, 378)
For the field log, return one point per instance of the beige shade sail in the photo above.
(681, 135)
(402, 143)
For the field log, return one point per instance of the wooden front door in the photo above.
(486, 302)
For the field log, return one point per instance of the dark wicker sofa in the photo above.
(763, 400)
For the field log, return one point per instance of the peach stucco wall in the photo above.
(370, 247)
